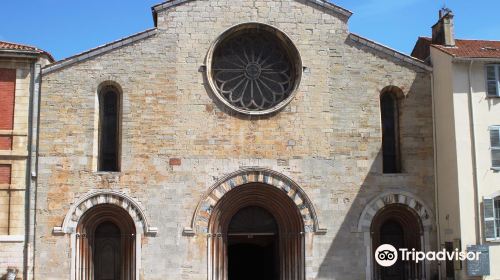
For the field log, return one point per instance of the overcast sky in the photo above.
(67, 27)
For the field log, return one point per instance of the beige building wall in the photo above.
(13, 231)
(12, 237)
(463, 151)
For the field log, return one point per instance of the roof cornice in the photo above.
(23, 50)
(321, 3)
(27, 54)
(98, 51)
(476, 59)
(389, 51)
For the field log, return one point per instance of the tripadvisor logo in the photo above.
(386, 255)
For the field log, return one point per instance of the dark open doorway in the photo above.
(253, 245)
(391, 232)
(400, 227)
(107, 252)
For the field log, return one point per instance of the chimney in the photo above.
(442, 31)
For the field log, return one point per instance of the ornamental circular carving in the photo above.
(254, 69)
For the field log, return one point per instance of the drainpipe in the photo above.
(29, 255)
(436, 192)
(474, 158)
(27, 214)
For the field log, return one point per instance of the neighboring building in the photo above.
(233, 133)
(467, 123)
(20, 68)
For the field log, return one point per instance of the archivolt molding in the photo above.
(395, 197)
(78, 209)
(239, 179)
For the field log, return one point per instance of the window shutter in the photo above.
(495, 146)
(492, 80)
(489, 218)
(5, 173)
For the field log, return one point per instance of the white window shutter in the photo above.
(495, 146)
(492, 78)
(489, 218)
(492, 88)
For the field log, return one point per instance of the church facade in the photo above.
(235, 140)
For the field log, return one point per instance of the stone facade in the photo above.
(178, 140)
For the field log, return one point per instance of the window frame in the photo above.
(397, 137)
(280, 36)
(104, 89)
(496, 217)
(6, 187)
(494, 148)
(491, 217)
(496, 68)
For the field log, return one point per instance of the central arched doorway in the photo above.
(397, 225)
(256, 232)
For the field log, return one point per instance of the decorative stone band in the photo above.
(239, 179)
(12, 238)
(78, 209)
(395, 197)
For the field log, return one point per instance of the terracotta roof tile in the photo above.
(472, 49)
(19, 47)
(14, 46)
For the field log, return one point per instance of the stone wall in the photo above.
(178, 139)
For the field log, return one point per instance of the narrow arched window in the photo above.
(109, 129)
(390, 132)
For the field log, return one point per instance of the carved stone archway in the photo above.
(105, 199)
(199, 223)
(392, 198)
(94, 198)
(267, 189)
(100, 252)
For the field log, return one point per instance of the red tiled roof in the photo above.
(14, 46)
(472, 49)
(18, 47)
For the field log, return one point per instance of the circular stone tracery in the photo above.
(254, 69)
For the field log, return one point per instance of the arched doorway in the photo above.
(397, 225)
(106, 244)
(256, 232)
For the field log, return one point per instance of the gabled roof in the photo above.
(321, 3)
(165, 5)
(462, 48)
(98, 51)
(391, 52)
(19, 48)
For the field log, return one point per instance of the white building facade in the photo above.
(466, 107)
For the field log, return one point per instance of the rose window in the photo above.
(255, 70)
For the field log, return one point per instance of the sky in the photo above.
(68, 27)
